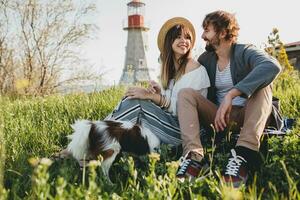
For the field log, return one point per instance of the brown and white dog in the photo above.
(107, 138)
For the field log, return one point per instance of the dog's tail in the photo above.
(79, 146)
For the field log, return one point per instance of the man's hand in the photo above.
(223, 112)
(137, 93)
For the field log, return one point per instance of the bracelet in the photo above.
(167, 103)
(163, 101)
(160, 97)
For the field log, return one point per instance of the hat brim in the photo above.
(171, 23)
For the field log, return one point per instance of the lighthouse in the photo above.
(135, 67)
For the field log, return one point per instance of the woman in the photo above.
(155, 107)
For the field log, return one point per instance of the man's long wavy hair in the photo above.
(223, 21)
(167, 56)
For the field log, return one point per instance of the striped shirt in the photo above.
(224, 84)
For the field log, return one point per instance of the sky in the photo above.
(256, 18)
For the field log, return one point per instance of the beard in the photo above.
(212, 44)
(210, 48)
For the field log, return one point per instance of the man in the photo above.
(240, 92)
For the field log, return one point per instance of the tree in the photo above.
(6, 54)
(275, 48)
(41, 40)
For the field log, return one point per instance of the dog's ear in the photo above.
(108, 153)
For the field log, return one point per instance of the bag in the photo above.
(275, 120)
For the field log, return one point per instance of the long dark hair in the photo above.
(167, 56)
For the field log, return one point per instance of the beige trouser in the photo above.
(194, 109)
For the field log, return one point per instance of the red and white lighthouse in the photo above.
(135, 69)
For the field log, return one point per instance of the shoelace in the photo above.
(234, 164)
(184, 163)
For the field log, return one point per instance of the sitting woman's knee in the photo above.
(131, 101)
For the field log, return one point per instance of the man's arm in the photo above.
(264, 70)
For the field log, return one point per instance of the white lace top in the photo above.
(196, 79)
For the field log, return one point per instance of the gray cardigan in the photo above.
(251, 69)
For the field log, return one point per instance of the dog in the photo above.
(108, 138)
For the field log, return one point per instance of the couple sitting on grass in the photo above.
(230, 82)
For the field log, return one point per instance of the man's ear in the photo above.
(222, 34)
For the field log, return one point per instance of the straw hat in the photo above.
(171, 23)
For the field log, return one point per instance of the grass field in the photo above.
(33, 129)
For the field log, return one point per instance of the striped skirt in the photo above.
(162, 123)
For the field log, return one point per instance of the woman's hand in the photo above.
(154, 87)
(137, 93)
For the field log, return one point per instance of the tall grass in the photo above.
(2, 153)
(35, 128)
(287, 88)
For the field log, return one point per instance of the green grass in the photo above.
(35, 128)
